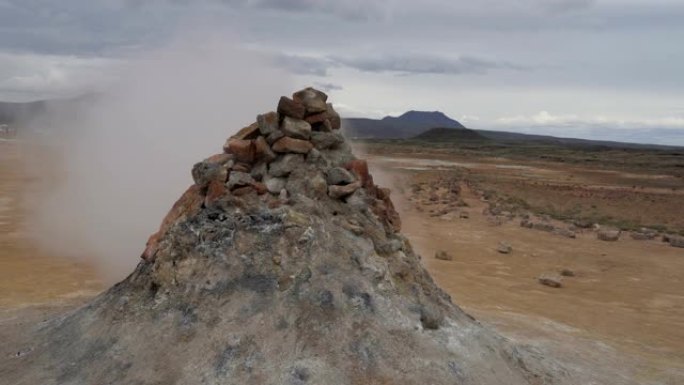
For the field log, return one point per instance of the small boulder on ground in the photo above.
(676, 240)
(443, 255)
(504, 248)
(567, 273)
(608, 235)
(551, 280)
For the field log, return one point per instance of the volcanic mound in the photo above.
(282, 264)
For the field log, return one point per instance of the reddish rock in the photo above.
(189, 204)
(242, 167)
(291, 108)
(260, 188)
(215, 191)
(249, 132)
(337, 192)
(241, 191)
(263, 150)
(317, 118)
(312, 99)
(287, 144)
(268, 123)
(219, 158)
(334, 118)
(242, 149)
(384, 209)
(360, 169)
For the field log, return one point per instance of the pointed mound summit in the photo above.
(282, 264)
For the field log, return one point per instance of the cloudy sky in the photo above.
(606, 69)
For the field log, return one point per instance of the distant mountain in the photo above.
(11, 113)
(408, 125)
(441, 134)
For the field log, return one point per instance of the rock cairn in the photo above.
(281, 264)
(302, 138)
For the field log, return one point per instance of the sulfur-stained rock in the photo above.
(292, 145)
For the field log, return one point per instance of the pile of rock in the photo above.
(303, 134)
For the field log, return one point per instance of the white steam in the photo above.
(109, 170)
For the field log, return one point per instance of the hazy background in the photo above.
(107, 173)
(598, 69)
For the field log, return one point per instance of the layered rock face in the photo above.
(282, 264)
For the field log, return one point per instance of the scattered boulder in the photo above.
(567, 273)
(464, 215)
(551, 280)
(676, 240)
(504, 248)
(567, 233)
(608, 235)
(443, 255)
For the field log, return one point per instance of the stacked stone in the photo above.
(296, 150)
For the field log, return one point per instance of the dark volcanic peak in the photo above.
(433, 119)
(282, 264)
(407, 125)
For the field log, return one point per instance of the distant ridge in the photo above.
(442, 134)
(406, 126)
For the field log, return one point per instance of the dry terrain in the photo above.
(624, 306)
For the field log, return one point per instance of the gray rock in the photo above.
(313, 100)
(338, 175)
(551, 280)
(268, 123)
(285, 165)
(443, 255)
(274, 136)
(275, 185)
(676, 241)
(337, 192)
(608, 235)
(296, 128)
(326, 140)
(238, 179)
(259, 171)
(504, 248)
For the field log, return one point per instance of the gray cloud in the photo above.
(327, 87)
(408, 64)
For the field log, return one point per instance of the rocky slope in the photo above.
(282, 264)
